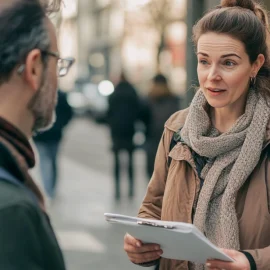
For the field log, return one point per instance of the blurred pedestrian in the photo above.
(49, 142)
(159, 106)
(122, 115)
(29, 60)
(217, 176)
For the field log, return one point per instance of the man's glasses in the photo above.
(64, 64)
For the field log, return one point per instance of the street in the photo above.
(85, 193)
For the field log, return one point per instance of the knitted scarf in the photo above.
(18, 140)
(23, 155)
(232, 156)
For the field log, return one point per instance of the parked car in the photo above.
(89, 98)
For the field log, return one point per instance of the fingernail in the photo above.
(208, 264)
(157, 248)
(160, 253)
(138, 244)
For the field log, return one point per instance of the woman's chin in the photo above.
(217, 104)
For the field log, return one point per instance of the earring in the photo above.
(253, 80)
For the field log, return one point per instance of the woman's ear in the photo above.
(257, 65)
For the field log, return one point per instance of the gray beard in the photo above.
(43, 105)
(49, 126)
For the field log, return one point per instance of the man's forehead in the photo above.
(50, 26)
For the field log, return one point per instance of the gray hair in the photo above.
(22, 29)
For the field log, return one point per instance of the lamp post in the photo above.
(195, 9)
(267, 4)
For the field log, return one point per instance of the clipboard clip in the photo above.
(153, 224)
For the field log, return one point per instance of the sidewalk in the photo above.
(84, 194)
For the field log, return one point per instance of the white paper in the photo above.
(182, 242)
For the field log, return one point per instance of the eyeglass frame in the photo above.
(70, 61)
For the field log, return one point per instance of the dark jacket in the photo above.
(123, 111)
(26, 236)
(64, 114)
(154, 113)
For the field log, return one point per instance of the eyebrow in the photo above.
(223, 56)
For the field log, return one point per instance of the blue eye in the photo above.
(229, 63)
(203, 62)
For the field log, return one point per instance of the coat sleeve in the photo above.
(20, 247)
(152, 203)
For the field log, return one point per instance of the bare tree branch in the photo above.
(51, 6)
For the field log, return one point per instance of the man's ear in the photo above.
(33, 69)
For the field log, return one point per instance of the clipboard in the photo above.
(178, 240)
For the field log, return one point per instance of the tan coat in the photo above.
(172, 191)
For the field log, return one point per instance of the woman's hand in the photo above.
(241, 262)
(141, 253)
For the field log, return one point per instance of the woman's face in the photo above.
(224, 70)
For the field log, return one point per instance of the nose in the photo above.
(214, 74)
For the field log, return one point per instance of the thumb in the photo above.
(230, 252)
(132, 241)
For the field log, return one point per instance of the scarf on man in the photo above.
(232, 156)
(22, 153)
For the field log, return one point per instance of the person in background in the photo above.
(30, 63)
(218, 177)
(49, 142)
(159, 106)
(121, 117)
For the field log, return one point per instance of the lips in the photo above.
(215, 90)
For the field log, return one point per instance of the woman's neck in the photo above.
(224, 118)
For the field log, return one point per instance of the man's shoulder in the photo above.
(177, 120)
(12, 196)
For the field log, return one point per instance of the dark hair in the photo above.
(22, 29)
(159, 78)
(246, 21)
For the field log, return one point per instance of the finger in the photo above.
(144, 248)
(230, 252)
(128, 239)
(144, 257)
(220, 265)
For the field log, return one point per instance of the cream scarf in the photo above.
(233, 156)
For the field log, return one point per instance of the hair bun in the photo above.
(251, 5)
(248, 4)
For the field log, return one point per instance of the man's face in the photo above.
(44, 101)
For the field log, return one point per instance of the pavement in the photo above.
(85, 193)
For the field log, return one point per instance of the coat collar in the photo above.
(177, 120)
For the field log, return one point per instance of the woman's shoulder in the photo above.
(177, 120)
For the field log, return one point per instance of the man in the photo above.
(161, 103)
(48, 144)
(28, 94)
(122, 115)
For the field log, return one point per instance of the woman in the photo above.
(219, 174)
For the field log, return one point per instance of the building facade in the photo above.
(110, 36)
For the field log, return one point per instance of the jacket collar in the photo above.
(177, 120)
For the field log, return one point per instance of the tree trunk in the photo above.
(161, 47)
